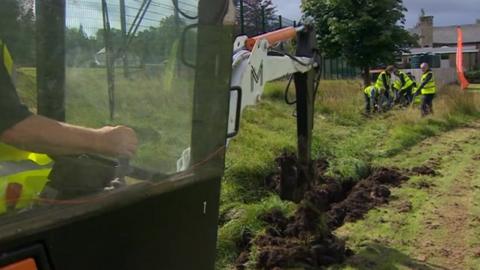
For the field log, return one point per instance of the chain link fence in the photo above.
(88, 13)
(85, 19)
(252, 22)
(257, 22)
(140, 32)
(338, 69)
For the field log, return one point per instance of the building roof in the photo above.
(441, 50)
(448, 34)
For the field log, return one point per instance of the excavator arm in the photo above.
(254, 64)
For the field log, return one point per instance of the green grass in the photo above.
(159, 108)
(242, 217)
(389, 239)
(350, 142)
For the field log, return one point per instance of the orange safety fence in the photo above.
(461, 74)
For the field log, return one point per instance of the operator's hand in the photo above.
(118, 141)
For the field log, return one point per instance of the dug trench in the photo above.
(305, 239)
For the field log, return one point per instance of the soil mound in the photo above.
(365, 195)
(306, 239)
(297, 241)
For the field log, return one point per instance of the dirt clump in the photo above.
(244, 244)
(242, 259)
(302, 240)
(299, 243)
(423, 184)
(405, 207)
(287, 179)
(365, 195)
(305, 239)
(290, 180)
(423, 170)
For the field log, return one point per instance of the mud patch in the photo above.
(305, 239)
(423, 170)
(404, 207)
(297, 241)
(365, 195)
(423, 184)
(434, 162)
(290, 180)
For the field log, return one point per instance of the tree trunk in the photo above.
(366, 76)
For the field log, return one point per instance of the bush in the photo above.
(473, 76)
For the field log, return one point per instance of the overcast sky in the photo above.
(445, 12)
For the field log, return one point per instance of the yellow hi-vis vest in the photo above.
(397, 84)
(23, 175)
(430, 87)
(408, 81)
(368, 90)
(6, 58)
(379, 84)
(417, 98)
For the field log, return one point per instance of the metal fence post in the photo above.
(324, 67)
(336, 69)
(280, 26)
(342, 68)
(242, 18)
(264, 26)
(330, 69)
(110, 61)
(123, 26)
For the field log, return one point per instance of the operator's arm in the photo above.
(18, 127)
(12, 110)
(427, 80)
(43, 135)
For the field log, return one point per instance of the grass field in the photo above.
(158, 108)
(439, 227)
(350, 142)
(440, 206)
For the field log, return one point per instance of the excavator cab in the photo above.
(162, 68)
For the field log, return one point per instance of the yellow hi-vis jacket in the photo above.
(379, 84)
(23, 175)
(398, 83)
(417, 99)
(368, 90)
(6, 58)
(430, 87)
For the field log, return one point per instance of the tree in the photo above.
(17, 29)
(154, 44)
(253, 17)
(366, 33)
(80, 49)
